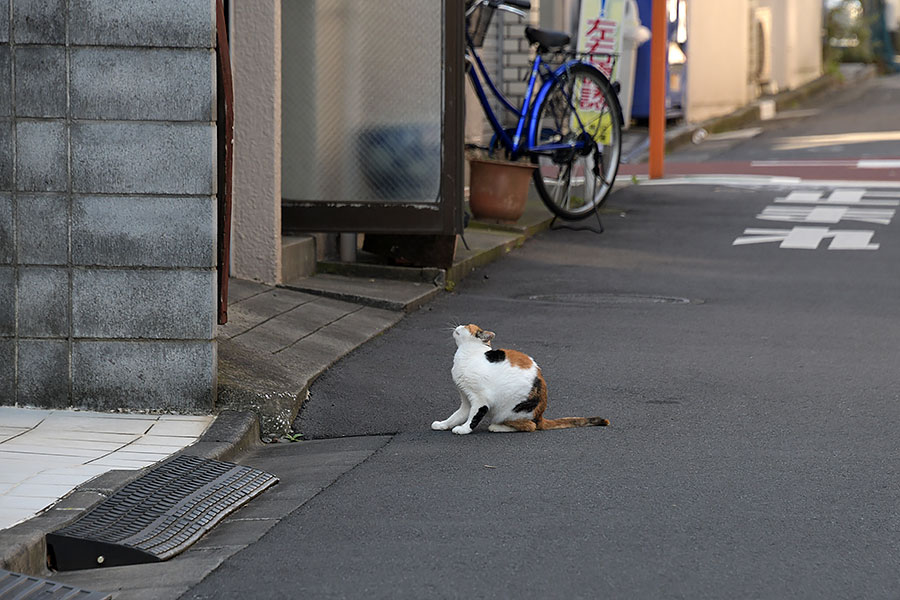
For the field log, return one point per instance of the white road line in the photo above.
(855, 196)
(804, 163)
(878, 164)
(867, 163)
(772, 181)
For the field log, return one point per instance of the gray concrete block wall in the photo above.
(107, 204)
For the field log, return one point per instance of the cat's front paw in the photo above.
(462, 429)
(439, 426)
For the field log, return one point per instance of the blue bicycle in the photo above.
(570, 127)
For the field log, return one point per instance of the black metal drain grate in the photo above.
(156, 516)
(16, 586)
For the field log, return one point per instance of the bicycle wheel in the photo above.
(579, 107)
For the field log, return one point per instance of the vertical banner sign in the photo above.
(599, 37)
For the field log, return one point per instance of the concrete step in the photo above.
(298, 257)
(390, 294)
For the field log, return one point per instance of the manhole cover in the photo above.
(16, 586)
(158, 515)
(607, 299)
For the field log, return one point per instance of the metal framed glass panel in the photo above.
(371, 115)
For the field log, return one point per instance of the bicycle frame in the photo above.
(523, 141)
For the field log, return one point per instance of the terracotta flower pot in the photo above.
(498, 189)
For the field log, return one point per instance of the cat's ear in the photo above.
(485, 336)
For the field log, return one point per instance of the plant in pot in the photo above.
(498, 187)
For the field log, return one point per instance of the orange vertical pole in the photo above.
(658, 44)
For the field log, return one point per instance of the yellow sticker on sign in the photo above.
(599, 125)
(591, 112)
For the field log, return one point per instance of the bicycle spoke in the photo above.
(574, 182)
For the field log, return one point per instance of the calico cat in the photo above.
(505, 384)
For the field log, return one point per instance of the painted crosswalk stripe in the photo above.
(858, 197)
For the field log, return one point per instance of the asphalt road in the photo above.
(753, 393)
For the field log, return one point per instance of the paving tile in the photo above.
(163, 440)
(384, 293)
(25, 502)
(40, 490)
(89, 471)
(10, 460)
(111, 463)
(121, 439)
(8, 433)
(179, 428)
(13, 516)
(22, 417)
(366, 323)
(71, 478)
(38, 462)
(203, 418)
(137, 456)
(286, 329)
(15, 446)
(312, 355)
(153, 449)
(45, 438)
(241, 289)
(88, 423)
(16, 471)
(81, 414)
(258, 309)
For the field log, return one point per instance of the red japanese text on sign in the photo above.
(600, 45)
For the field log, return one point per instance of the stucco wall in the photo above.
(718, 58)
(107, 207)
(256, 70)
(796, 41)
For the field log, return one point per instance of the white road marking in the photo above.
(878, 164)
(803, 142)
(809, 238)
(843, 197)
(826, 214)
(760, 181)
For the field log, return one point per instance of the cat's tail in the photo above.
(566, 422)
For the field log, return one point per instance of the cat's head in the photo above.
(472, 334)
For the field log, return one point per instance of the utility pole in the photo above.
(658, 89)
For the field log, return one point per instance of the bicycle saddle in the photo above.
(545, 39)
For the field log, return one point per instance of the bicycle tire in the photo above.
(567, 180)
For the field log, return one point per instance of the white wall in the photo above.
(718, 58)
(796, 41)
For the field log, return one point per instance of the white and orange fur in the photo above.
(506, 386)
